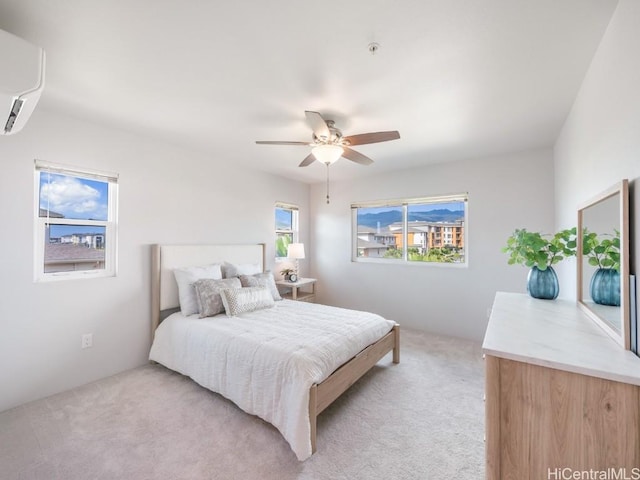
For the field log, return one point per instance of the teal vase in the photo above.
(543, 283)
(605, 287)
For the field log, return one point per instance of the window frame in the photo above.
(41, 224)
(405, 203)
(295, 219)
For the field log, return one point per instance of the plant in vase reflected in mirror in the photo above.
(603, 252)
(539, 252)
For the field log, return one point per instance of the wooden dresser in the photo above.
(561, 396)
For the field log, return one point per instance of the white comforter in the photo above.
(266, 361)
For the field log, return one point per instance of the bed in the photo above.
(346, 344)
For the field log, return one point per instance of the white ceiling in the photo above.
(457, 78)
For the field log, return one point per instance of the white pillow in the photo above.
(236, 269)
(186, 277)
(249, 299)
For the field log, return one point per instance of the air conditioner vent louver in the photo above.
(13, 114)
(21, 81)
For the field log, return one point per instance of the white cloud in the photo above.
(72, 198)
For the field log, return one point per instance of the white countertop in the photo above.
(556, 334)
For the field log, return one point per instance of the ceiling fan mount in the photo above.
(326, 134)
(334, 138)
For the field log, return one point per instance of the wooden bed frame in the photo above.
(164, 301)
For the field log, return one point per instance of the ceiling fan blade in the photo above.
(318, 125)
(267, 142)
(357, 157)
(373, 137)
(308, 160)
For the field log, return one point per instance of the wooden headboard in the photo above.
(164, 258)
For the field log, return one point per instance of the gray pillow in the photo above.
(208, 295)
(262, 280)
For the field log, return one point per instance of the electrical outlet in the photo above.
(87, 340)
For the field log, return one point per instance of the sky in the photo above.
(73, 197)
(283, 218)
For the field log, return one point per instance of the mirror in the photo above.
(603, 261)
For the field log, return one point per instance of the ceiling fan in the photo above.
(329, 144)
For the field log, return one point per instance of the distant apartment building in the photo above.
(90, 240)
(374, 242)
(427, 235)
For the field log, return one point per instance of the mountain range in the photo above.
(393, 216)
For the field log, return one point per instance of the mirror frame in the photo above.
(623, 336)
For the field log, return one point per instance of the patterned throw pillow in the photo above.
(262, 280)
(208, 295)
(249, 299)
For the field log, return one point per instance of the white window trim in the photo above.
(404, 203)
(111, 224)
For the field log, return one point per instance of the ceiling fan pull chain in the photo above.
(327, 184)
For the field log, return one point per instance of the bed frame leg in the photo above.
(396, 344)
(313, 415)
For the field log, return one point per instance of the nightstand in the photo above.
(304, 290)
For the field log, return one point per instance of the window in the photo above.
(415, 230)
(286, 227)
(75, 222)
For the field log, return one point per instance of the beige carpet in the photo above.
(421, 419)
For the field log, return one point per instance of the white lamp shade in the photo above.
(327, 154)
(295, 250)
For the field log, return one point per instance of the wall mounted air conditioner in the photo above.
(21, 81)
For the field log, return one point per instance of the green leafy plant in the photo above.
(281, 246)
(533, 249)
(602, 253)
(436, 255)
(393, 253)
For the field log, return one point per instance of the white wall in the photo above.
(505, 193)
(600, 141)
(167, 195)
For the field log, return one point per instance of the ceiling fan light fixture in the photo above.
(327, 153)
